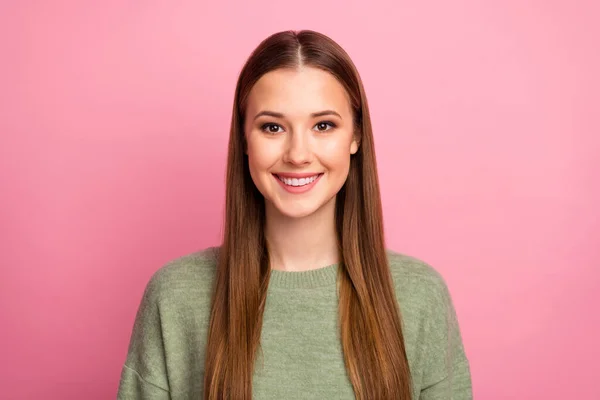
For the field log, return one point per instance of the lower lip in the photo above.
(298, 189)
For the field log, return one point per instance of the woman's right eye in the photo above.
(271, 128)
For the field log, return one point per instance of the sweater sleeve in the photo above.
(144, 374)
(447, 373)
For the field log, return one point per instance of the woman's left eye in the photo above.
(324, 126)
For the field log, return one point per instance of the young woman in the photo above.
(302, 300)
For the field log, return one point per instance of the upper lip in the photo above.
(297, 175)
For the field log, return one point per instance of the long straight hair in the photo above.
(369, 316)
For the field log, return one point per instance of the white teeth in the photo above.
(298, 182)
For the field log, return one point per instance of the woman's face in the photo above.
(300, 135)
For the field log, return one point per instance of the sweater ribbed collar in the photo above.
(319, 277)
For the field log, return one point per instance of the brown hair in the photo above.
(369, 316)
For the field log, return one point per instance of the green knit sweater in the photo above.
(301, 355)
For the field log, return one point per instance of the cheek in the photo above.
(260, 155)
(258, 164)
(336, 153)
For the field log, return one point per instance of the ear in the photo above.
(354, 145)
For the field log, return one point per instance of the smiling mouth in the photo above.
(298, 182)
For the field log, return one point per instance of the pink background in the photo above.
(114, 119)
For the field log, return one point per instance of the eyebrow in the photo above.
(313, 115)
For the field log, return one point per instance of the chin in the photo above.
(295, 211)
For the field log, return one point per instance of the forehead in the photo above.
(298, 92)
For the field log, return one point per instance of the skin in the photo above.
(300, 228)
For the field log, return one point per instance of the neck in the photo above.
(302, 244)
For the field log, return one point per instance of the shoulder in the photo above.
(416, 282)
(190, 272)
(407, 268)
(425, 302)
(431, 330)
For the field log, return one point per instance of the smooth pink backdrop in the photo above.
(114, 119)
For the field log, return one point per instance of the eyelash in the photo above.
(265, 127)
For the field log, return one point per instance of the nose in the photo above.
(298, 151)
